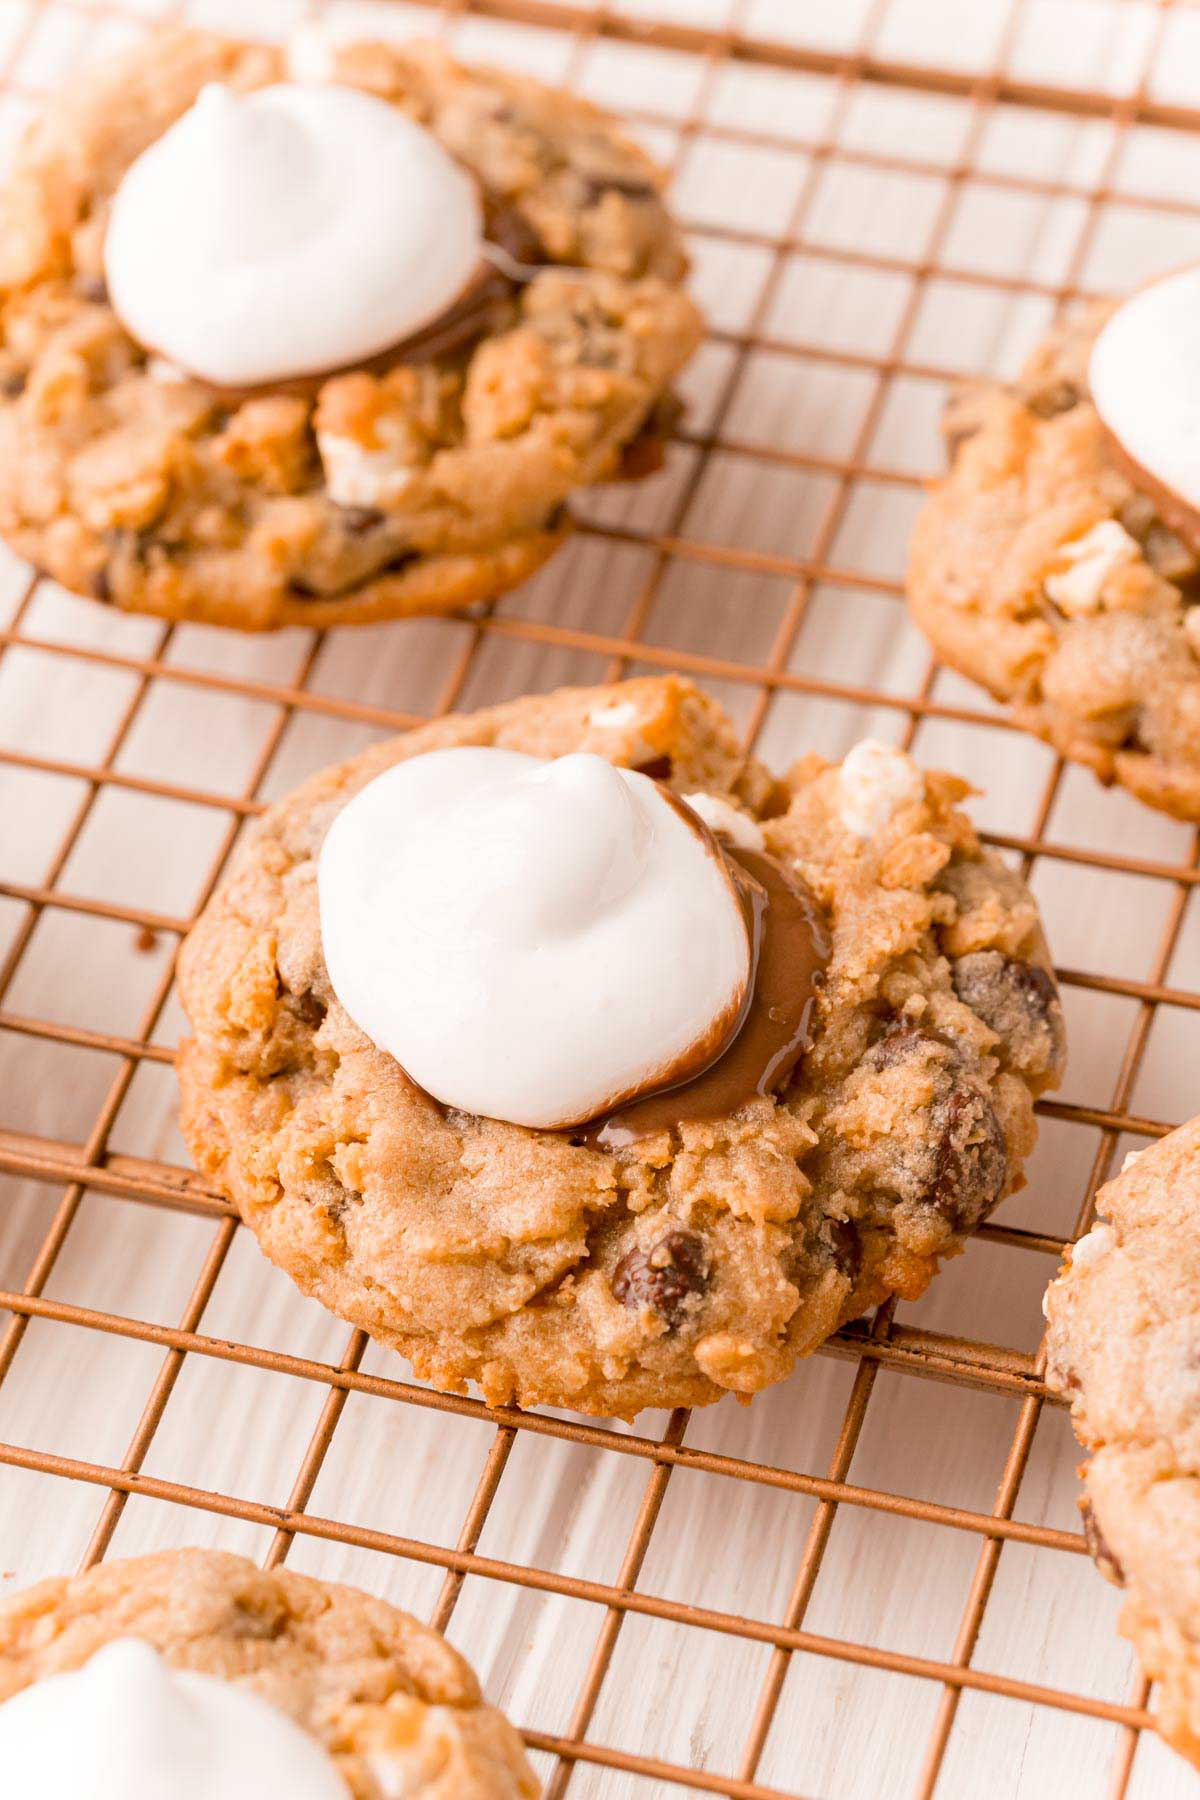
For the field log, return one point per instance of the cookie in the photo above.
(1124, 1348)
(710, 1254)
(1043, 567)
(430, 475)
(395, 1708)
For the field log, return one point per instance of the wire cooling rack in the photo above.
(871, 1583)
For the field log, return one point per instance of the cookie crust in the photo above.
(397, 1709)
(1124, 1349)
(1110, 674)
(702, 1260)
(414, 486)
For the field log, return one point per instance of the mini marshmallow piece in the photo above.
(876, 781)
(1144, 376)
(1092, 1247)
(532, 941)
(1087, 563)
(127, 1726)
(727, 821)
(615, 716)
(1131, 1156)
(356, 476)
(290, 231)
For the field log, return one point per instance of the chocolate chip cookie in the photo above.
(434, 475)
(1124, 1349)
(1043, 568)
(397, 1709)
(657, 1269)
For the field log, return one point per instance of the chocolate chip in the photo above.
(11, 386)
(1137, 516)
(847, 1248)
(310, 1009)
(512, 232)
(951, 1158)
(971, 1165)
(643, 455)
(101, 586)
(1099, 1548)
(630, 188)
(1019, 1002)
(92, 287)
(658, 768)
(898, 1044)
(667, 1278)
(357, 519)
(1170, 557)
(1056, 397)
(400, 561)
(302, 589)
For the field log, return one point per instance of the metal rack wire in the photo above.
(668, 540)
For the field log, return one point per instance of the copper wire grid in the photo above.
(653, 581)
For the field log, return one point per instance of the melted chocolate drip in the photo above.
(792, 952)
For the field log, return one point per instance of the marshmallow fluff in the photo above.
(1144, 376)
(288, 231)
(532, 941)
(126, 1726)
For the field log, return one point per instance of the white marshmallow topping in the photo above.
(128, 1727)
(288, 231)
(532, 941)
(1085, 564)
(1144, 375)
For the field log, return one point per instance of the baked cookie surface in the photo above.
(421, 482)
(699, 1260)
(397, 1709)
(1039, 569)
(1124, 1349)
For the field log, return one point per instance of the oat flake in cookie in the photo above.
(1058, 563)
(240, 382)
(195, 1674)
(717, 1218)
(1124, 1349)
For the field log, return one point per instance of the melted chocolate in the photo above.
(792, 951)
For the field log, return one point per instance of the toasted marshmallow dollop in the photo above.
(288, 231)
(1144, 375)
(126, 1726)
(532, 941)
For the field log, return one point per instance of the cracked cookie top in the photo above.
(669, 1267)
(1124, 1349)
(397, 1710)
(1041, 568)
(432, 475)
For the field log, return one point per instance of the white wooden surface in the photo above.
(674, 1692)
